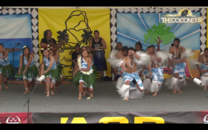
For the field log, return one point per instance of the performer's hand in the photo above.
(23, 72)
(19, 72)
(125, 69)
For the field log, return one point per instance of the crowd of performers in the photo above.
(136, 71)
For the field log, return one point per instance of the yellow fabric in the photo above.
(54, 19)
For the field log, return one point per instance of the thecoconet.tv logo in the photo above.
(183, 16)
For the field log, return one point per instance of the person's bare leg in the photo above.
(84, 90)
(205, 87)
(52, 87)
(32, 84)
(47, 86)
(179, 90)
(139, 88)
(174, 88)
(25, 85)
(59, 82)
(155, 94)
(127, 83)
(80, 90)
(6, 82)
(91, 92)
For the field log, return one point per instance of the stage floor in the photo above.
(105, 98)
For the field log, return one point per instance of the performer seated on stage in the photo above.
(118, 55)
(138, 48)
(204, 68)
(98, 46)
(59, 67)
(51, 72)
(84, 74)
(6, 69)
(156, 69)
(27, 68)
(177, 60)
(147, 73)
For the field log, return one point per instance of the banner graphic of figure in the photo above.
(78, 27)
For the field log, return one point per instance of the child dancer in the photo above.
(6, 69)
(84, 74)
(51, 72)
(27, 68)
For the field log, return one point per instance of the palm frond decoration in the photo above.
(87, 36)
(63, 35)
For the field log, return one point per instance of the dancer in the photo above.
(177, 60)
(6, 69)
(129, 66)
(157, 60)
(27, 68)
(51, 72)
(203, 60)
(59, 67)
(138, 48)
(84, 74)
(147, 73)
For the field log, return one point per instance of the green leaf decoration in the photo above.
(161, 31)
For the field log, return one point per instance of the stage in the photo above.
(105, 98)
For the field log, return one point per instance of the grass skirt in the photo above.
(60, 68)
(7, 70)
(94, 70)
(88, 79)
(54, 74)
(31, 71)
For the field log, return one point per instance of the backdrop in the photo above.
(80, 25)
(15, 29)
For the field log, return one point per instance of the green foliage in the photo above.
(159, 31)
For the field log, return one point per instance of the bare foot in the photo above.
(179, 91)
(84, 94)
(55, 90)
(205, 88)
(79, 98)
(91, 95)
(174, 91)
(155, 94)
(146, 91)
(6, 87)
(31, 88)
(25, 92)
(52, 93)
(126, 99)
(48, 94)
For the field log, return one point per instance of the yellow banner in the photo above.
(75, 21)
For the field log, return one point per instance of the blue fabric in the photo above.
(130, 77)
(180, 68)
(47, 63)
(99, 57)
(157, 75)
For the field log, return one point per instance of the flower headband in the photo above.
(44, 49)
(24, 47)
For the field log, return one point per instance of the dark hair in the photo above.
(82, 56)
(24, 55)
(206, 49)
(52, 46)
(77, 45)
(116, 48)
(152, 46)
(125, 48)
(3, 51)
(43, 51)
(131, 48)
(139, 44)
(172, 44)
(96, 31)
(177, 39)
(46, 32)
(53, 52)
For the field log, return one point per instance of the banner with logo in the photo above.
(15, 33)
(15, 118)
(161, 29)
(79, 26)
(153, 117)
